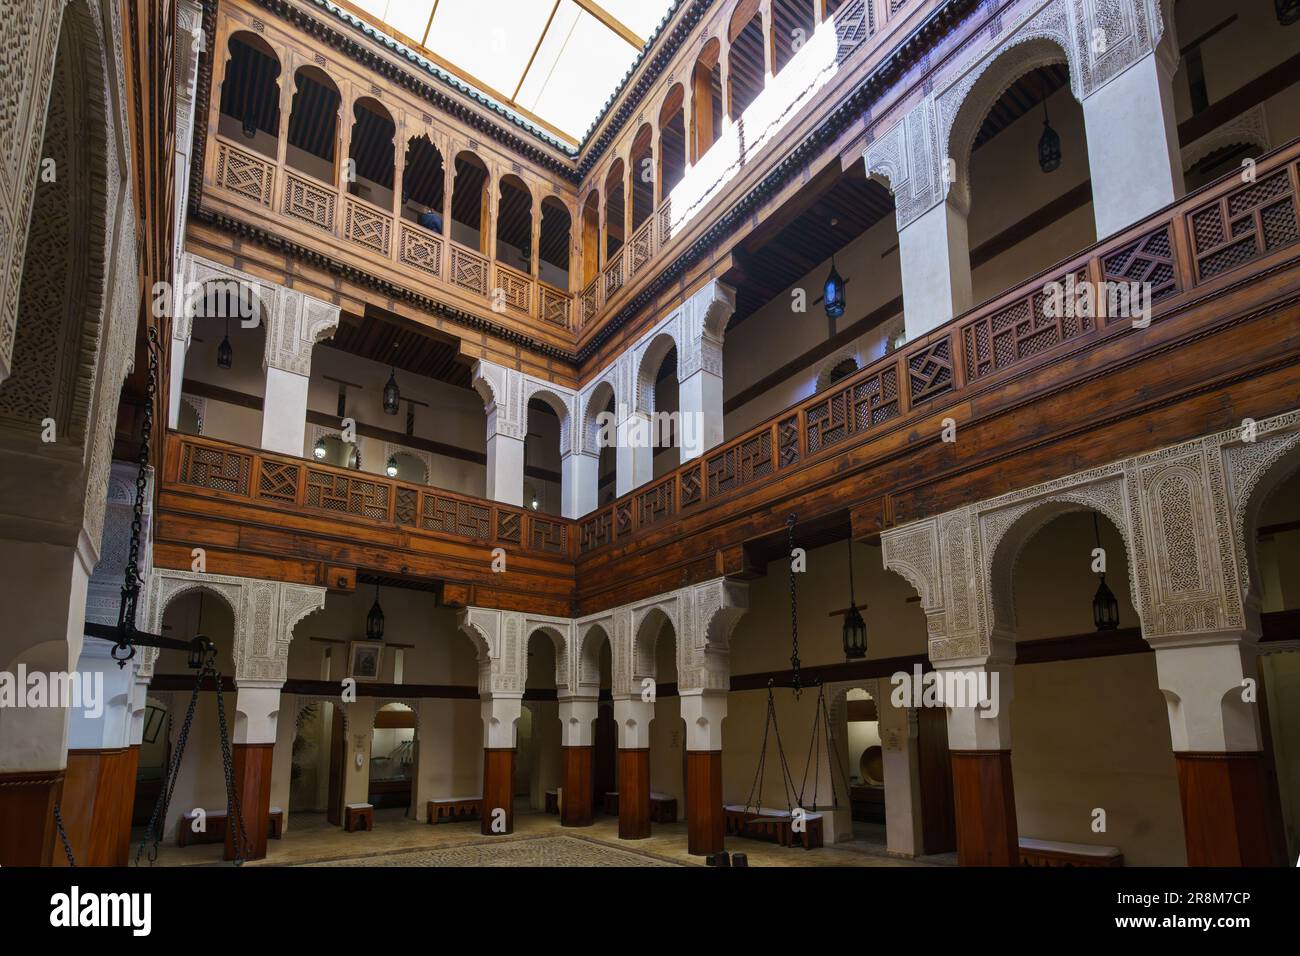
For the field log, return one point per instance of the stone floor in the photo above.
(538, 840)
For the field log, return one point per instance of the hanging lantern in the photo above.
(1288, 11)
(318, 450)
(833, 296)
(250, 127)
(375, 620)
(1105, 608)
(855, 628)
(1049, 145)
(392, 394)
(391, 468)
(225, 353)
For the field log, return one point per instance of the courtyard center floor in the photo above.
(538, 840)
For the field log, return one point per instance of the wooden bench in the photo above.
(552, 801)
(772, 826)
(359, 816)
(451, 809)
(215, 827)
(663, 808)
(1056, 853)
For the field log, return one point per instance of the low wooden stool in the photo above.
(358, 816)
(552, 801)
(611, 803)
(275, 827)
(663, 808)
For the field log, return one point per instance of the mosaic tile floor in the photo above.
(537, 851)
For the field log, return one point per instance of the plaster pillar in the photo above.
(635, 454)
(1211, 685)
(1133, 148)
(257, 711)
(500, 720)
(176, 378)
(703, 711)
(934, 255)
(297, 322)
(633, 716)
(44, 593)
(700, 401)
(899, 734)
(579, 483)
(284, 412)
(979, 742)
(577, 719)
(505, 467)
(99, 788)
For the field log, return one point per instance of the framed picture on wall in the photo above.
(364, 660)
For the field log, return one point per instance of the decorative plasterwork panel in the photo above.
(1250, 127)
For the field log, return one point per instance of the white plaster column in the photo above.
(180, 346)
(284, 411)
(501, 714)
(103, 721)
(257, 710)
(899, 734)
(934, 255)
(633, 716)
(1133, 150)
(702, 324)
(577, 721)
(579, 483)
(505, 466)
(700, 399)
(296, 324)
(1209, 682)
(635, 454)
(703, 710)
(977, 721)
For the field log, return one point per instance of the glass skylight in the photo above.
(555, 61)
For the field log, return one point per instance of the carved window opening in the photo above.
(591, 238)
(515, 224)
(643, 176)
(250, 95)
(372, 153)
(706, 100)
(313, 125)
(672, 142)
(793, 22)
(746, 69)
(542, 448)
(470, 203)
(424, 184)
(553, 247)
(615, 211)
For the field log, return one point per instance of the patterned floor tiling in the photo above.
(557, 851)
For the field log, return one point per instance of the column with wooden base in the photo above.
(257, 710)
(500, 719)
(633, 716)
(1210, 684)
(979, 741)
(703, 712)
(99, 786)
(577, 720)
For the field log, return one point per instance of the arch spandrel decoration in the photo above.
(265, 614)
(1098, 39)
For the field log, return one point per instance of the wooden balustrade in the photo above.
(1223, 227)
(258, 183)
(303, 485)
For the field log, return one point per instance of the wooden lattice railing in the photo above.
(235, 472)
(1223, 227)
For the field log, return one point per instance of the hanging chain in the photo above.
(63, 835)
(234, 813)
(132, 579)
(794, 608)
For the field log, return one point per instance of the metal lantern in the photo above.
(833, 297)
(375, 620)
(1105, 608)
(1049, 145)
(318, 450)
(392, 394)
(1288, 11)
(855, 628)
(391, 468)
(225, 353)
(250, 127)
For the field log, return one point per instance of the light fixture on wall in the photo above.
(1049, 145)
(375, 620)
(855, 628)
(392, 394)
(833, 293)
(390, 469)
(1288, 11)
(1105, 608)
(225, 353)
(318, 449)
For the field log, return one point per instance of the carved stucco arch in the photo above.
(203, 275)
(562, 405)
(1254, 472)
(170, 589)
(962, 109)
(1247, 129)
(615, 627)
(823, 378)
(649, 358)
(1006, 532)
(560, 642)
(589, 655)
(303, 701)
(647, 627)
(59, 333)
(594, 403)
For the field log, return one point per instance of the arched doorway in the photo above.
(469, 203)
(424, 181)
(373, 153)
(316, 769)
(394, 759)
(538, 770)
(313, 126)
